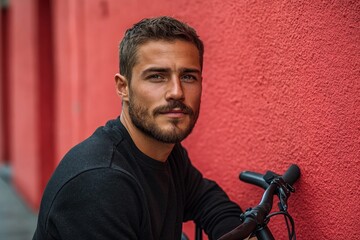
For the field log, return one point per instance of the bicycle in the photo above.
(255, 220)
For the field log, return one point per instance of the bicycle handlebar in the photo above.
(290, 177)
(255, 217)
(292, 174)
(254, 179)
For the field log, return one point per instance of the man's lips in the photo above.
(174, 113)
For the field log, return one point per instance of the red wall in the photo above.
(280, 86)
(23, 92)
(31, 94)
(2, 81)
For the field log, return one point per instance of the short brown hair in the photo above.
(159, 28)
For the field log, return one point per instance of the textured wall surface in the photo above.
(2, 132)
(31, 100)
(24, 105)
(281, 86)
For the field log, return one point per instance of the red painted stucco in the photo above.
(24, 109)
(31, 98)
(281, 86)
(2, 82)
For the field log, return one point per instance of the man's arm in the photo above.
(97, 204)
(209, 205)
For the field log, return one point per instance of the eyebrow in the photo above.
(166, 70)
(190, 70)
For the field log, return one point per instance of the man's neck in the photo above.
(149, 146)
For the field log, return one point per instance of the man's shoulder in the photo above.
(86, 165)
(95, 152)
(97, 145)
(97, 190)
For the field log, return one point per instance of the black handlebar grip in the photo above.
(254, 178)
(292, 174)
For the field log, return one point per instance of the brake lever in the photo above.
(284, 190)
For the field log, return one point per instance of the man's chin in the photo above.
(170, 135)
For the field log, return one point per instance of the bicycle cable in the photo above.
(287, 216)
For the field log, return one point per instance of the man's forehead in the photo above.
(161, 51)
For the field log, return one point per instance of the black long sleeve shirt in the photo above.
(106, 188)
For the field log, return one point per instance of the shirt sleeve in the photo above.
(98, 204)
(208, 205)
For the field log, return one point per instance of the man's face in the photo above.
(165, 90)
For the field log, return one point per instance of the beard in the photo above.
(145, 121)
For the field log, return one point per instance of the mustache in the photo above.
(173, 104)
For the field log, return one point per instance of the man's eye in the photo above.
(155, 77)
(189, 78)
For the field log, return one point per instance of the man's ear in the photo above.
(122, 86)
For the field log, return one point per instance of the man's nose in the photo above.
(175, 90)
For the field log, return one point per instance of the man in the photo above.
(132, 179)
